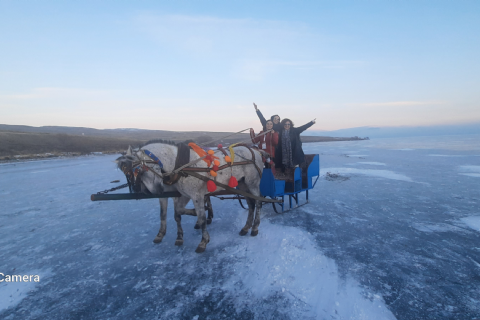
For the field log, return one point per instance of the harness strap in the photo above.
(253, 158)
(194, 169)
(236, 191)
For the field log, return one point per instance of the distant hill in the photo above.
(393, 132)
(26, 140)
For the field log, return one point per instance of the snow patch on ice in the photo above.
(470, 168)
(356, 155)
(387, 174)
(12, 293)
(446, 155)
(472, 221)
(404, 149)
(439, 227)
(373, 163)
(307, 281)
(476, 175)
(471, 171)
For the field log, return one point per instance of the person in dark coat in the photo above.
(275, 119)
(289, 152)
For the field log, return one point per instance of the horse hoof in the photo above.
(178, 242)
(200, 249)
(209, 221)
(254, 233)
(197, 226)
(243, 232)
(157, 240)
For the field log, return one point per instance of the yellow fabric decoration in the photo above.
(232, 153)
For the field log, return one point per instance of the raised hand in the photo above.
(255, 106)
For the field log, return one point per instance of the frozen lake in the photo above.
(392, 232)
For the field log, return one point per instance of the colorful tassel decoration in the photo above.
(211, 186)
(213, 173)
(233, 182)
(215, 167)
(211, 152)
(216, 162)
(227, 158)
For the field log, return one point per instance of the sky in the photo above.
(200, 65)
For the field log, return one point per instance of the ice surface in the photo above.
(375, 246)
(11, 293)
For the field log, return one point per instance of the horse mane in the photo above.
(170, 142)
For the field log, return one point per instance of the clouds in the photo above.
(340, 64)
(401, 103)
(251, 49)
(198, 35)
(54, 93)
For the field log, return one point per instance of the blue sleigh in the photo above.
(299, 181)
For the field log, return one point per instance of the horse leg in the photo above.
(254, 188)
(251, 209)
(180, 204)
(256, 223)
(199, 204)
(208, 206)
(163, 220)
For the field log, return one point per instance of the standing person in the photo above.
(268, 142)
(275, 119)
(289, 152)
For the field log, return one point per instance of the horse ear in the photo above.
(129, 151)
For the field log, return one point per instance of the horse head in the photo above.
(142, 176)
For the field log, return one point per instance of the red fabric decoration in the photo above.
(215, 167)
(219, 146)
(211, 186)
(233, 182)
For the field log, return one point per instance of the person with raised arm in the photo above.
(289, 152)
(275, 120)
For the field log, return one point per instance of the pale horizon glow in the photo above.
(200, 67)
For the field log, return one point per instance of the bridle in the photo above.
(139, 166)
(149, 157)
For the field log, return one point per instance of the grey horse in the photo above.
(194, 189)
